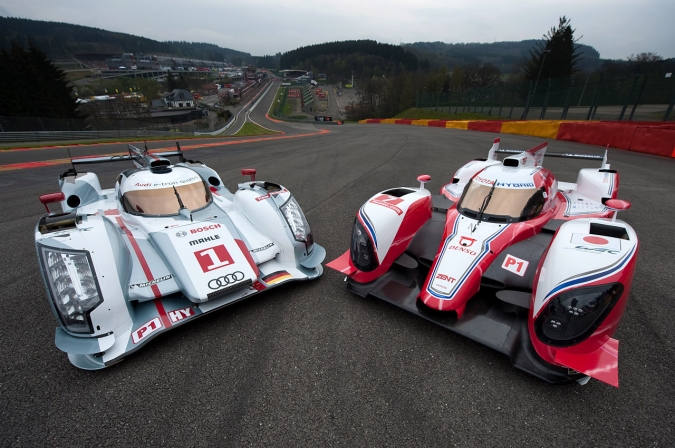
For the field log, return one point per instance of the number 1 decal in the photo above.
(213, 258)
(515, 265)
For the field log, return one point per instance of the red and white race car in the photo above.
(508, 256)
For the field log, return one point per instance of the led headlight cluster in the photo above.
(574, 315)
(73, 287)
(296, 220)
(362, 250)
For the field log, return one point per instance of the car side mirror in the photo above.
(616, 205)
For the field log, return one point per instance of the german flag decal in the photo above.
(276, 277)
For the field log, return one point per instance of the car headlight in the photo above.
(72, 285)
(574, 315)
(361, 249)
(296, 220)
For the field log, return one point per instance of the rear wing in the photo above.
(559, 154)
(141, 157)
(565, 155)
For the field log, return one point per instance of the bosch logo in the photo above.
(181, 234)
(225, 280)
(205, 228)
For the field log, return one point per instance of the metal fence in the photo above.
(595, 96)
(35, 129)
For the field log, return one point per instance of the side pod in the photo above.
(580, 294)
(383, 228)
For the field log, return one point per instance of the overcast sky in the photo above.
(616, 28)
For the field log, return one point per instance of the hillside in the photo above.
(364, 57)
(64, 40)
(507, 56)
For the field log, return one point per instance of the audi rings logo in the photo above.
(181, 234)
(225, 280)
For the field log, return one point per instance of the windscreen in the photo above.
(163, 201)
(518, 204)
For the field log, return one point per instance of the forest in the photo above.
(64, 40)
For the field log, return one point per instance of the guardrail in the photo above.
(227, 126)
(40, 136)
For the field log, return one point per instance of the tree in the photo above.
(644, 62)
(31, 86)
(644, 58)
(556, 56)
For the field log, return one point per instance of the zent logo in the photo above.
(515, 265)
(147, 329)
(214, 258)
(446, 278)
(180, 314)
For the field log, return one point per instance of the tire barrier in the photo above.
(656, 138)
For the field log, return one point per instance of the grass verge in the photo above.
(250, 129)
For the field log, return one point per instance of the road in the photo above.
(313, 365)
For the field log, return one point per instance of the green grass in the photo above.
(250, 129)
(422, 114)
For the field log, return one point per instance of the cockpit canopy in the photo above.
(508, 201)
(160, 192)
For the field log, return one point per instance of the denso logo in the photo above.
(462, 249)
(205, 228)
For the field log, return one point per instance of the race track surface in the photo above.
(309, 364)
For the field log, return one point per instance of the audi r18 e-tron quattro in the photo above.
(508, 256)
(167, 244)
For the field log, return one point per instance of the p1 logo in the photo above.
(145, 330)
(515, 265)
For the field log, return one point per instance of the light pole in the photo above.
(352, 79)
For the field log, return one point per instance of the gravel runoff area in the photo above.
(309, 364)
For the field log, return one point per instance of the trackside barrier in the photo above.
(457, 124)
(601, 134)
(656, 138)
(485, 126)
(544, 129)
(424, 122)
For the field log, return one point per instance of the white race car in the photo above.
(166, 245)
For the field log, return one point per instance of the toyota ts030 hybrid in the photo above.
(535, 268)
(166, 245)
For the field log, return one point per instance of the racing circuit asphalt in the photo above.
(309, 364)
